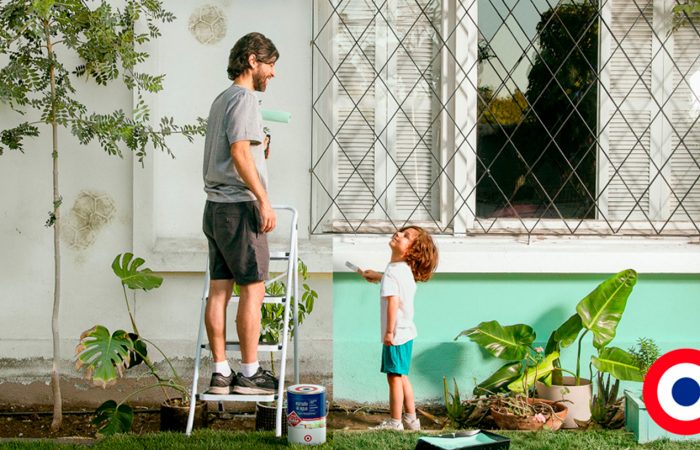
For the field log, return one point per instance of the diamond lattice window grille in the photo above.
(495, 116)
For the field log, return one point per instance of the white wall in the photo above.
(157, 209)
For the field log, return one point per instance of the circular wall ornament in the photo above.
(208, 24)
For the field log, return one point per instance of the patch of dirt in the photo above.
(18, 421)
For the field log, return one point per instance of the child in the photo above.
(414, 257)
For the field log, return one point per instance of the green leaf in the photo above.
(43, 7)
(618, 363)
(542, 370)
(112, 419)
(500, 379)
(130, 275)
(511, 342)
(602, 309)
(565, 335)
(103, 356)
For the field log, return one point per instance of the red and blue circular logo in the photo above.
(672, 391)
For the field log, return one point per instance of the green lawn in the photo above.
(376, 440)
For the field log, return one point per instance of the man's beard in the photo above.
(259, 82)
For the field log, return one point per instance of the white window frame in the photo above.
(383, 168)
(551, 250)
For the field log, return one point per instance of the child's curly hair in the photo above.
(422, 256)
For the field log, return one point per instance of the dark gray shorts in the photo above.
(237, 248)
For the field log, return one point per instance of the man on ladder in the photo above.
(237, 215)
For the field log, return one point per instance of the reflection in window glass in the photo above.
(537, 88)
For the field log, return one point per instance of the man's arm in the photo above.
(392, 308)
(245, 166)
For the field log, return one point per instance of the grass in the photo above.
(375, 440)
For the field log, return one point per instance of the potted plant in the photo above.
(637, 419)
(463, 414)
(509, 388)
(271, 326)
(521, 412)
(599, 312)
(105, 356)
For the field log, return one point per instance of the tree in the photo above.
(562, 91)
(36, 79)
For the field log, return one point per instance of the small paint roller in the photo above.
(276, 116)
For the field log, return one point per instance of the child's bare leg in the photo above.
(409, 405)
(395, 395)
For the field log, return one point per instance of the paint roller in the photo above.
(269, 115)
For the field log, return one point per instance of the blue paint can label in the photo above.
(306, 401)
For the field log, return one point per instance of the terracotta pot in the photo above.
(576, 398)
(173, 415)
(507, 421)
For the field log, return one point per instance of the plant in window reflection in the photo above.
(551, 147)
(686, 13)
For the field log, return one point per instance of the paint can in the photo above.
(306, 414)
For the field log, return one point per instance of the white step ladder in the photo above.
(291, 293)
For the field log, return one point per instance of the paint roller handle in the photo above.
(276, 116)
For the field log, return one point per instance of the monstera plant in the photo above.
(104, 356)
(598, 313)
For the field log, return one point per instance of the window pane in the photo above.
(537, 87)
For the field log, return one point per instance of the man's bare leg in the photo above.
(215, 322)
(248, 320)
(252, 379)
(215, 317)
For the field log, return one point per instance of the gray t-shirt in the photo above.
(234, 116)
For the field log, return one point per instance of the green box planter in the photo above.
(637, 421)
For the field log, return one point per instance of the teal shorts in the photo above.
(396, 359)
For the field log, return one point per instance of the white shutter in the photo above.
(354, 125)
(685, 120)
(630, 81)
(413, 133)
(401, 145)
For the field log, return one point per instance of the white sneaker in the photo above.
(388, 424)
(411, 424)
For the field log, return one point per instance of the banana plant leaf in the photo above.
(112, 419)
(618, 363)
(542, 370)
(510, 342)
(500, 379)
(130, 275)
(565, 335)
(602, 309)
(103, 356)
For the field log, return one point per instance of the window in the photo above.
(492, 116)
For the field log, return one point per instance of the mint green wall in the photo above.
(664, 307)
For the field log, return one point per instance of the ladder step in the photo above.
(268, 299)
(237, 398)
(262, 346)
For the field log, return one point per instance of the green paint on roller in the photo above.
(276, 116)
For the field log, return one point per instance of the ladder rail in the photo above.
(198, 355)
(291, 292)
(291, 271)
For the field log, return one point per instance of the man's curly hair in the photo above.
(252, 43)
(422, 256)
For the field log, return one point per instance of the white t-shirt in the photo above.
(398, 281)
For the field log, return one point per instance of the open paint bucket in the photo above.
(306, 414)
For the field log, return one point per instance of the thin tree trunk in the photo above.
(55, 376)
